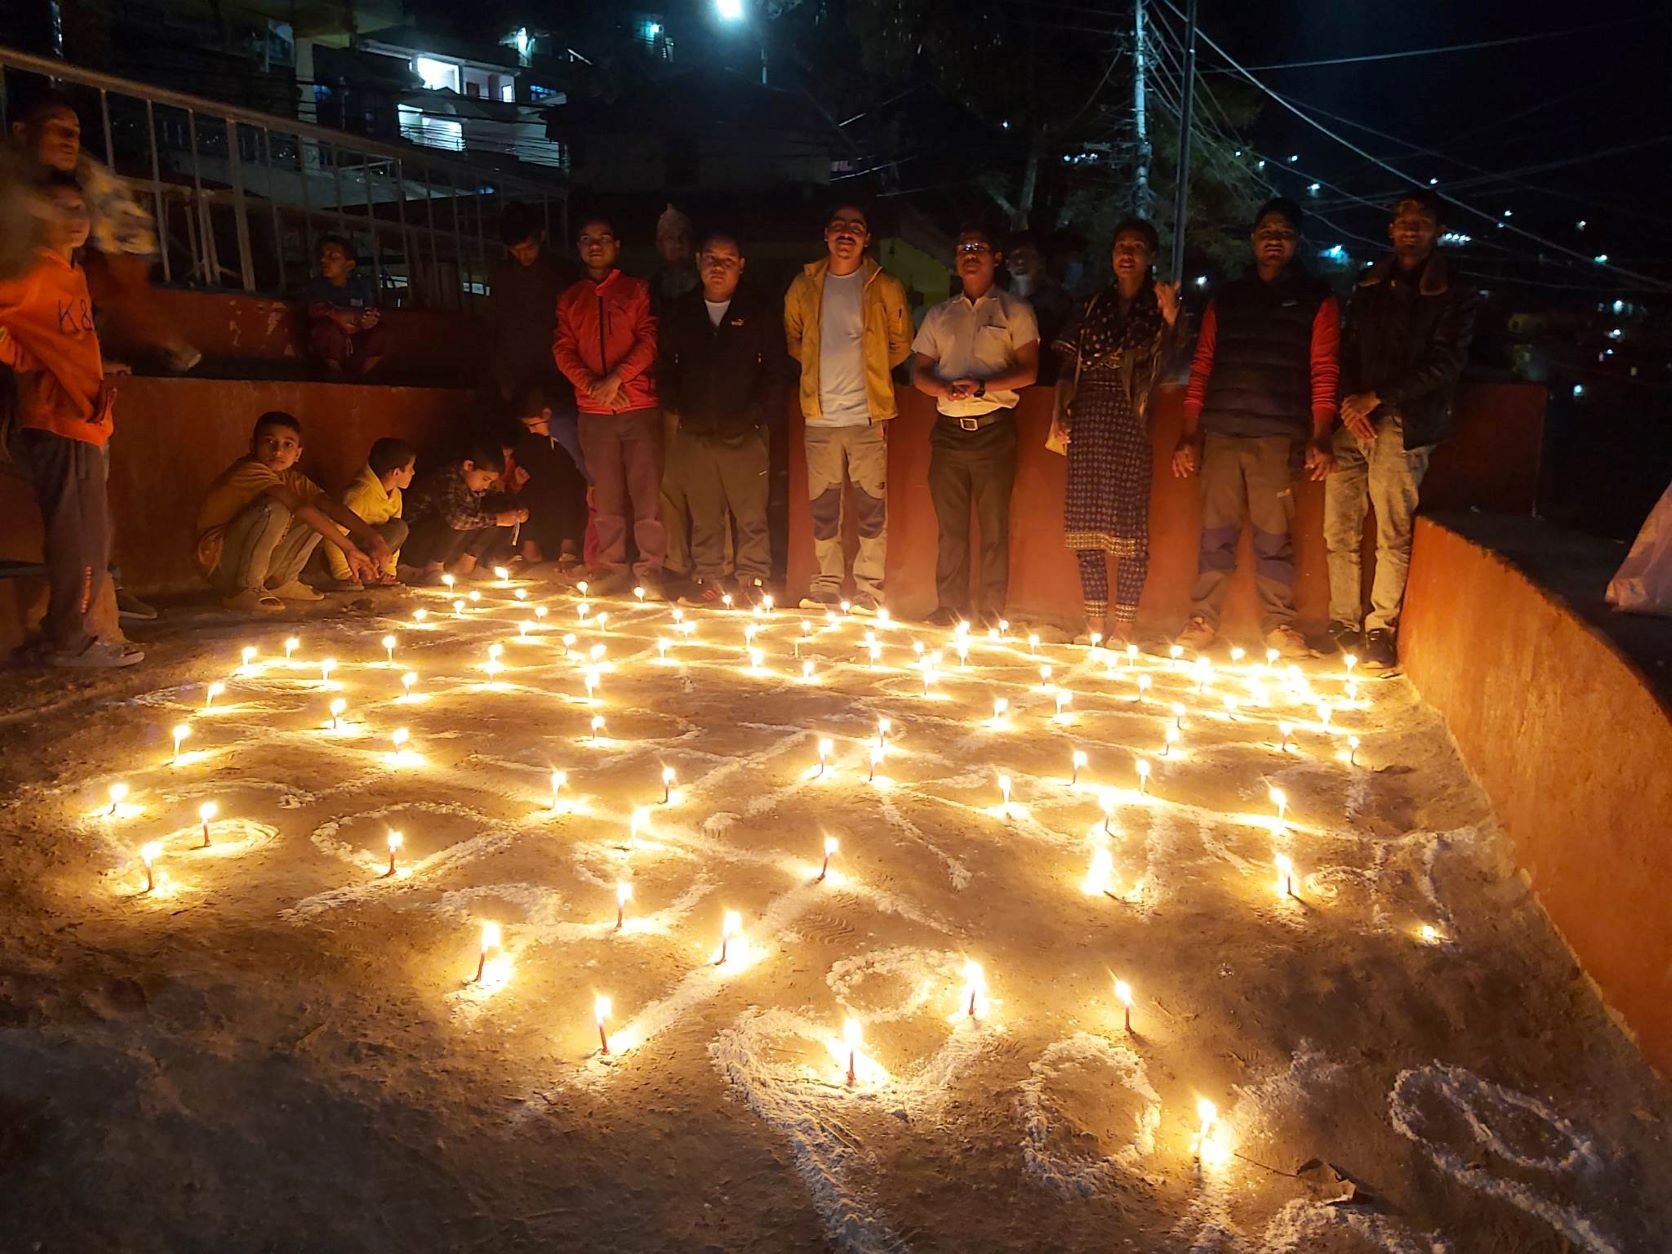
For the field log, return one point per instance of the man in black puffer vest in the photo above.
(1409, 323)
(1262, 390)
(722, 371)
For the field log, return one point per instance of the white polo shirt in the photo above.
(976, 340)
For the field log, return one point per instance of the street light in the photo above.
(729, 10)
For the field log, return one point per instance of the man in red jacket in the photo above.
(606, 347)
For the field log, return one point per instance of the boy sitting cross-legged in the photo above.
(375, 498)
(262, 517)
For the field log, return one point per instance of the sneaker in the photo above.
(946, 616)
(1380, 649)
(296, 590)
(98, 655)
(1347, 639)
(130, 606)
(252, 601)
(865, 603)
(1198, 634)
(818, 599)
(1288, 642)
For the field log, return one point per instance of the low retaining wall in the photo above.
(174, 435)
(1572, 744)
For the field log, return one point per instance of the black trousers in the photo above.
(972, 468)
(432, 540)
(69, 479)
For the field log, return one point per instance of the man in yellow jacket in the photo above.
(846, 322)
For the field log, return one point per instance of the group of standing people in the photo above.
(676, 381)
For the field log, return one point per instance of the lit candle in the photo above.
(749, 631)
(1352, 750)
(448, 580)
(1169, 739)
(767, 603)
(149, 852)
(248, 654)
(876, 761)
(580, 587)
(1280, 799)
(1207, 1112)
(1063, 699)
(1033, 642)
(1132, 655)
(1123, 994)
(1285, 730)
(490, 942)
(540, 612)
(1097, 639)
(559, 778)
(205, 812)
(845, 606)
(975, 984)
(1178, 715)
(638, 595)
(214, 690)
(1000, 705)
(407, 680)
(726, 600)
(852, 1035)
(582, 610)
(1174, 653)
(1079, 760)
(667, 784)
(591, 681)
(1101, 873)
(755, 658)
(875, 650)
(389, 649)
(1004, 790)
(1324, 713)
(603, 622)
(662, 647)
(884, 726)
(1238, 653)
(597, 726)
(1430, 934)
(963, 647)
(1044, 673)
(825, 748)
(118, 793)
(1004, 627)
(475, 598)
(730, 925)
(1106, 801)
(807, 671)
(1285, 875)
(523, 628)
(492, 667)
(623, 891)
(395, 839)
(1352, 690)
(1350, 661)
(521, 594)
(1204, 669)
(1143, 686)
(928, 678)
(290, 646)
(399, 738)
(181, 731)
(1143, 775)
(601, 1006)
(337, 707)
(458, 608)
(420, 615)
(325, 669)
(829, 849)
(1271, 658)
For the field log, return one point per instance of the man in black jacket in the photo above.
(722, 367)
(1407, 338)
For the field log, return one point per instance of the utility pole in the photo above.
(1181, 199)
(1143, 200)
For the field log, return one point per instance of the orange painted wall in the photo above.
(1573, 749)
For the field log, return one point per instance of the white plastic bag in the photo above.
(1643, 584)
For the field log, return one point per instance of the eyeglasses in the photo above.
(975, 248)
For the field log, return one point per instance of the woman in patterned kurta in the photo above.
(1114, 349)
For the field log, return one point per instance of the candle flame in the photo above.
(830, 845)
(731, 924)
(1101, 874)
(1123, 993)
(623, 892)
(601, 1007)
(408, 679)
(207, 811)
(491, 937)
(395, 841)
(853, 1034)
(150, 851)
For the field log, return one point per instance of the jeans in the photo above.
(677, 522)
(624, 457)
(1247, 479)
(972, 468)
(1384, 475)
(836, 457)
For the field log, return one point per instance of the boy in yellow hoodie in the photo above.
(375, 497)
(64, 414)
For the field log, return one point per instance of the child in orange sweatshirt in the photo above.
(64, 416)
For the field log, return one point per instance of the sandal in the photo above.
(250, 601)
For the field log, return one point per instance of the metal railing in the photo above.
(240, 196)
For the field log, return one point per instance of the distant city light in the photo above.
(1201, 280)
(1578, 391)
(729, 10)
(1581, 224)
(1601, 259)
(653, 29)
(1260, 165)
(1294, 157)
(1456, 237)
(1433, 182)
(1335, 252)
(1615, 334)
(1005, 124)
(1619, 306)
(1315, 188)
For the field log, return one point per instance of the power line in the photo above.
(1399, 174)
(1468, 47)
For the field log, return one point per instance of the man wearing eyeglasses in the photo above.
(1261, 400)
(846, 326)
(973, 352)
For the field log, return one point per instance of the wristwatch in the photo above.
(981, 389)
